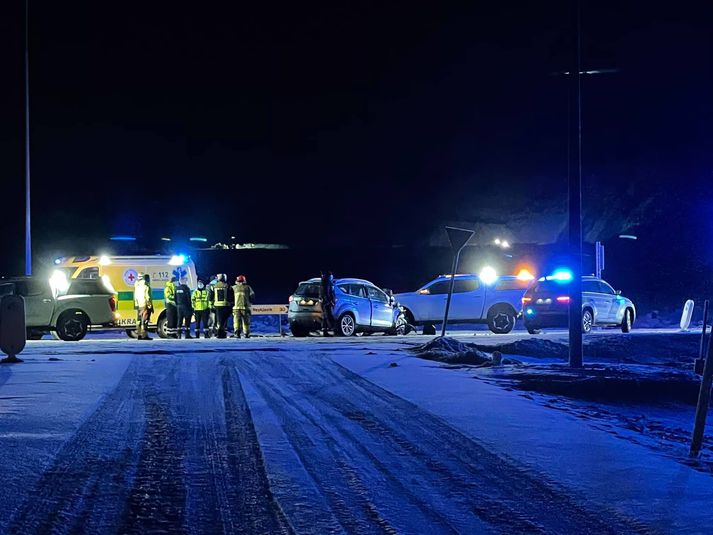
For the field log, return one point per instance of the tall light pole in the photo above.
(575, 192)
(28, 230)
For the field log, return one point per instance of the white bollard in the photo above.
(686, 315)
(12, 327)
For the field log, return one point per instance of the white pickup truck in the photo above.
(67, 316)
(474, 301)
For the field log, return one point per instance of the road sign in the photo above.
(264, 310)
(458, 238)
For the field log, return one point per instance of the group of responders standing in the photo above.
(210, 304)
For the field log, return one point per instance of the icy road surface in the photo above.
(309, 436)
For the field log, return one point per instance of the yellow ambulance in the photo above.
(121, 272)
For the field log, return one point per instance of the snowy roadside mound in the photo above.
(675, 350)
(604, 383)
(452, 351)
(530, 347)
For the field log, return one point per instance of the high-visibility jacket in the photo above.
(142, 294)
(243, 295)
(219, 294)
(169, 293)
(199, 300)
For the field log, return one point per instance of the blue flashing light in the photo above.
(57, 261)
(530, 312)
(561, 275)
(122, 238)
(199, 238)
(177, 260)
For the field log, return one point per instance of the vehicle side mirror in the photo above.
(618, 292)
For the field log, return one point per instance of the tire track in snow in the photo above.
(412, 450)
(156, 503)
(256, 506)
(513, 496)
(86, 486)
(333, 462)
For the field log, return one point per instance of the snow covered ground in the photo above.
(280, 435)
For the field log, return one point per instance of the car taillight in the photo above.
(526, 300)
(563, 299)
(112, 303)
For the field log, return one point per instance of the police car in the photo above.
(495, 301)
(546, 304)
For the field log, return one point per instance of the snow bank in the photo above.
(451, 351)
(628, 384)
(676, 350)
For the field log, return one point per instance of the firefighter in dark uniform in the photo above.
(220, 297)
(169, 296)
(184, 308)
(201, 309)
(326, 295)
(211, 313)
(243, 297)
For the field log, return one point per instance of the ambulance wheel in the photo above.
(161, 327)
(131, 333)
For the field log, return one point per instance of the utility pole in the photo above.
(704, 399)
(28, 230)
(575, 192)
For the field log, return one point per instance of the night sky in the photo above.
(366, 122)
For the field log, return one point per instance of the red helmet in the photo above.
(241, 278)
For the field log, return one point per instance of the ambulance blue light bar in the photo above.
(199, 238)
(122, 238)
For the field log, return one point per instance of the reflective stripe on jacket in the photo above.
(199, 299)
(220, 295)
(142, 294)
(243, 295)
(169, 293)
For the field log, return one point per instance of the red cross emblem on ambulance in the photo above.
(130, 276)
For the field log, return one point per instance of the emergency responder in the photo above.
(326, 295)
(211, 314)
(243, 297)
(184, 308)
(169, 296)
(221, 304)
(144, 306)
(201, 309)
